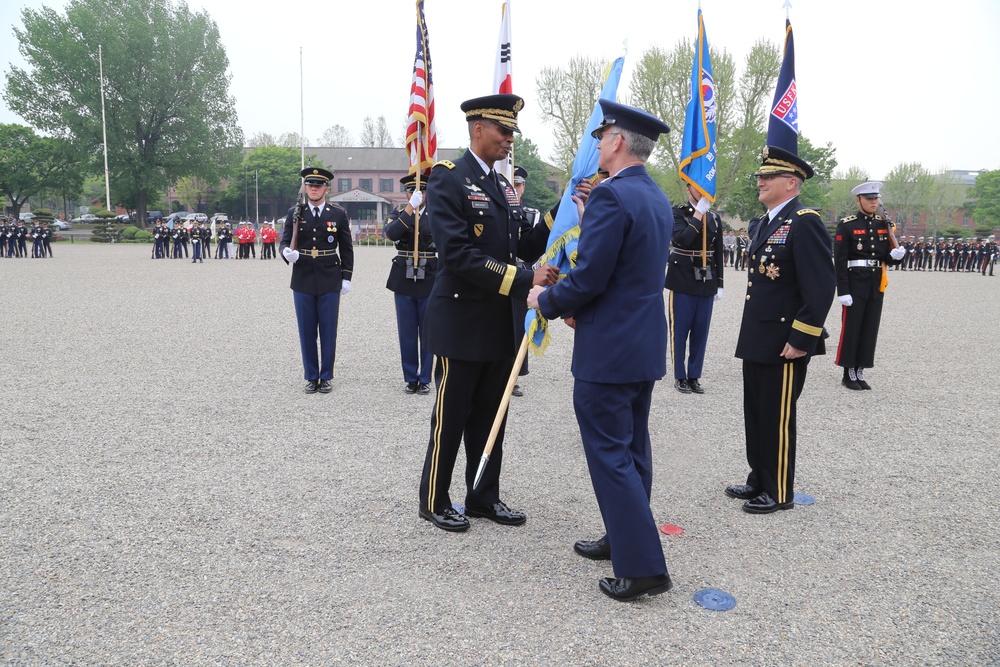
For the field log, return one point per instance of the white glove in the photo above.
(291, 255)
(898, 252)
(718, 295)
(703, 205)
(345, 288)
(416, 199)
(845, 300)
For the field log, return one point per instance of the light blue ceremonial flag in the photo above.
(698, 149)
(565, 232)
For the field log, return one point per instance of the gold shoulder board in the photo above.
(849, 218)
(445, 163)
(807, 211)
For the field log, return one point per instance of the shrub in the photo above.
(143, 235)
(129, 232)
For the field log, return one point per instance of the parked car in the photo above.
(126, 218)
(62, 225)
(173, 218)
(153, 216)
(200, 217)
(27, 217)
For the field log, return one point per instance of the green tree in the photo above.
(30, 164)
(906, 190)
(944, 195)
(816, 190)
(842, 202)
(984, 198)
(195, 193)
(168, 109)
(536, 193)
(278, 180)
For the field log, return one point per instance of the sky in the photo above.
(884, 81)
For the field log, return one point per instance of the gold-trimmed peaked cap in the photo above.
(317, 175)
(774, 160)
(410, 181)
(501, 109)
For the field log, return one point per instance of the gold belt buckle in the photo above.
(315, 253)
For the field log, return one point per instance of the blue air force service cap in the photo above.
(869, 188)
(630, 118)
(317, 175)
(502, 109)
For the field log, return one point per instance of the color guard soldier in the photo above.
(790, 287)
(861, 251)
(21, 237)
(477, 218)
(8, 244)
(615, 297)
(224, 237)
(742, 241)
(695, 282)
(196, 244)
(46, 239)
(322, 266)
(268, 235)
(158, 234)
(206, 240)
(411, 278)
(179, 237)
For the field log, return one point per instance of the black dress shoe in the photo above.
(517, 390)
(695, 386)
(626, 589)
(500, 513)
(312, 386)
(593, 549)
(325, 386)
(852, 385)
(410, 388)
(864, 385)
(682, 386)
(423, 388)
(764, 504)
(742, 491)
(448, 519)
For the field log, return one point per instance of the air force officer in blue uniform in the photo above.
(615, 296)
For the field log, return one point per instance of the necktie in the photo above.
(316, 212)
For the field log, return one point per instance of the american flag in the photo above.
(421, 133)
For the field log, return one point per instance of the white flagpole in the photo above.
(104, 129)
(302, 111)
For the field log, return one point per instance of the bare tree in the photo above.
(261, 139)
(567, 98)
(292, 140)
(841, 200)
(375, 133)
(336, 136)
(945, 195)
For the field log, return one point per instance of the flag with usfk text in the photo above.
(783, 121)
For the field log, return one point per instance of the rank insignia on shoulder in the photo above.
(849, 218)
(807, 211)
(445, 163)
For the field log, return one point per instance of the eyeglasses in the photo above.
(608, 134)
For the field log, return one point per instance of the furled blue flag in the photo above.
(697, 165)
(783, 121)
(565, 233)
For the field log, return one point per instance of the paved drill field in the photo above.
(169, 496)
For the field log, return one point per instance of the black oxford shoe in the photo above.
(423, 389)
(448, 519)
(517, 390)
(695, 386)
(682, 386)
(864, 385)
(626, 589)
(410, 388)
(764, 504)
(853, 385)
(325, 386)
(312, 386)
(742, 491)
(593, 549)
(500, 513)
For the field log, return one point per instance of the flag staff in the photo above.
(104, 130)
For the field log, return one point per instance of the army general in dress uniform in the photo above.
(322, 265)
(790, 287)
(480, 229)
(615, 295)
(861, 249)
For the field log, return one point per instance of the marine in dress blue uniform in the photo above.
(790, 287)
(861, 250)
(694, 283)
(476, 219)
(411, 278)
(615, 295)
(322, 266)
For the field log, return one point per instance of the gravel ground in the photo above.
(168, 495)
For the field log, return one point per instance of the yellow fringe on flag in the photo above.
(556, 255)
